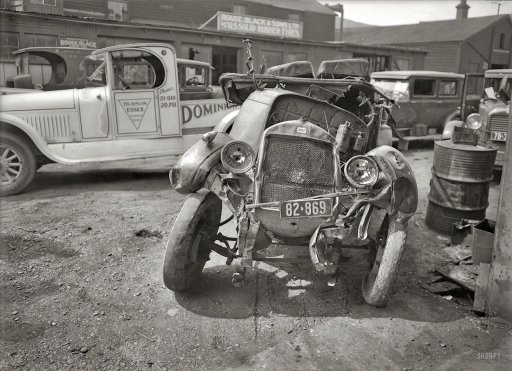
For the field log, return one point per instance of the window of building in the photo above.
(294, 17)
(424, 87)
(401, 64)
(40, 40)
(502, 41)
(377, 62)
(272, 58)
(447, 88)
(117, 10)
(44, 2)
(9, 42)
(239, 9)
(294, 57)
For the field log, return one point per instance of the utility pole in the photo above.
(500, 276)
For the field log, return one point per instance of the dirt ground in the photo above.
(81, 263)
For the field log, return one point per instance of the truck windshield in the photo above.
(397, 90)
(497, 84)
(95, 69)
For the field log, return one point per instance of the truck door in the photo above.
(145, 92)
(94, 118)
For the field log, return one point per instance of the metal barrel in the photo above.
(459, 188)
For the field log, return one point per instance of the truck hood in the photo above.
(49, 100)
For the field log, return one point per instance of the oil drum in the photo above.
(459, 188)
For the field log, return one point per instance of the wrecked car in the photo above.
(299, 170)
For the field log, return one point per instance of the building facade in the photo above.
(460, 45)
(209, 31)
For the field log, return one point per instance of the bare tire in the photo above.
(390, 245)
(188, 248)
(17, 164)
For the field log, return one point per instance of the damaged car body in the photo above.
(300, 172)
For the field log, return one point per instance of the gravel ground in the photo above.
(80, 265)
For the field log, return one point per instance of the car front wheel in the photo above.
(390, 243)
(194, 230)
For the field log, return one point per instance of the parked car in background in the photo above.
(424, 97)
(128, 107)
(494, 109)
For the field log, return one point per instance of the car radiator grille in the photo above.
(295, 167)
(499, 123)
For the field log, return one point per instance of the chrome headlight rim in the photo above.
(352, 181)
(474, 121)
(244, 149)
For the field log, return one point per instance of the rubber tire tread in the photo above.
(180, 240)
(378, 293)
(28, 159)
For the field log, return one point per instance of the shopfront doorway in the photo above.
(223, 60)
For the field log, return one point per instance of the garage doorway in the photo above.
(223, 60)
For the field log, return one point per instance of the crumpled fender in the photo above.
(398, 172)
(190, 173)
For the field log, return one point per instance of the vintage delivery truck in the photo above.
(133, 104)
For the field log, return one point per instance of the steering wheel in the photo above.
(193, 81)
(126, 86)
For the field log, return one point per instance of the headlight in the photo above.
(474, 121)
(361, 171)
(237, 157)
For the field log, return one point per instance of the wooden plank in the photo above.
(441, 288)
(462, 275)
(480, 301)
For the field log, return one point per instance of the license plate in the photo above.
(306, 209)
(500, 136)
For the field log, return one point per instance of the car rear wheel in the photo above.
(188, 248)
(17, 164)
(390, 243)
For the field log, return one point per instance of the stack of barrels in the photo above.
(459, 189)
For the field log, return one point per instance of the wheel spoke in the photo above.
(12, 157)
(11, 164)
(5, 153)
(13, 171)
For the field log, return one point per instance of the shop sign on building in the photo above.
(76, 42)
(246, 24)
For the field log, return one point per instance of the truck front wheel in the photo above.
(17, 164)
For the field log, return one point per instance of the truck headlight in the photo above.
(474, 121)
(237, 157)
(361, 171)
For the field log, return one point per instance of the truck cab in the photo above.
(129, 107)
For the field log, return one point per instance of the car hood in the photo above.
(49, 100)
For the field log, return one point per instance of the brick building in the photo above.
(210, 31)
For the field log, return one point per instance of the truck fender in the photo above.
(455, 115)
(9, 120)
(225, 124)
(191, 170)
(449, 128)
(398, 172)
